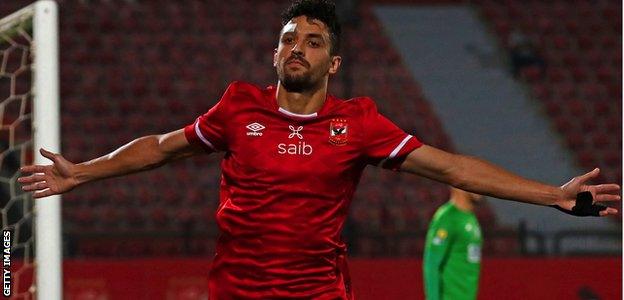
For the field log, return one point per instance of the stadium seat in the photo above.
(614, 125)
(165, 247)
(531, 73)
(575, 107)
(601, 107)
(585, 42)
(587, 159)
(541, 91)
(588, 124)
(612, 157)
(580, 74)
(553, 109)
(109, 216)
(572, 26)
(575, 140)
(601, 140)
(411, 246)
(159, 216)
(136, 247)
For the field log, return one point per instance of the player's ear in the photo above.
(275, 57)
(335, 64)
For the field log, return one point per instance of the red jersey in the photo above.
(287, 182)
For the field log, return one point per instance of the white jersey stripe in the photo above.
(202, 138)
(396, 150)
(399, 147)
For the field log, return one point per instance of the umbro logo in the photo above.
(255, 129)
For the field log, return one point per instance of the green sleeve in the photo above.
(437, 248)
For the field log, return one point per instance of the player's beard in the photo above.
(297, 83)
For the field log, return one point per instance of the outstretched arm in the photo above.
(481, 177)
(141, 154)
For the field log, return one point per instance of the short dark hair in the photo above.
(322, 10)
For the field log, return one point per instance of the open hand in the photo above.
(47, 180)
(600, 192)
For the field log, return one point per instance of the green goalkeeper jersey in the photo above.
(452, 256)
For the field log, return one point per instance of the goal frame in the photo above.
(46, 134)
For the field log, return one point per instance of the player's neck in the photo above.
(463, 204)
(307, 102)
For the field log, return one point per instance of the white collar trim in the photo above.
(313, 115)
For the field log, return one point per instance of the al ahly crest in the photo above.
(338, 131)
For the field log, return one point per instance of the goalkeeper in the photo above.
(452, 258)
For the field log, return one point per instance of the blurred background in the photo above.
(534, 86)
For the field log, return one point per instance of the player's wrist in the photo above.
(79, 174)
(558, 195)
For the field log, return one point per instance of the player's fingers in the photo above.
(44, 193)
(33, 169)
(607, 197)
(589, 175)
(32, 178)
(47, 154)
(608, 211)
(606, 188)
(35, 186)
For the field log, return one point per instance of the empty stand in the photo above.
(581, 92)
(132, 68)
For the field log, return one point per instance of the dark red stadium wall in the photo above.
(551, 278)
(372, 279)
(500, 278)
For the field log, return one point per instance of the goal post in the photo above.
(46, 134)
(30, 120)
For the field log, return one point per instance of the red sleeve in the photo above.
(209, 129)
(386, 145)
